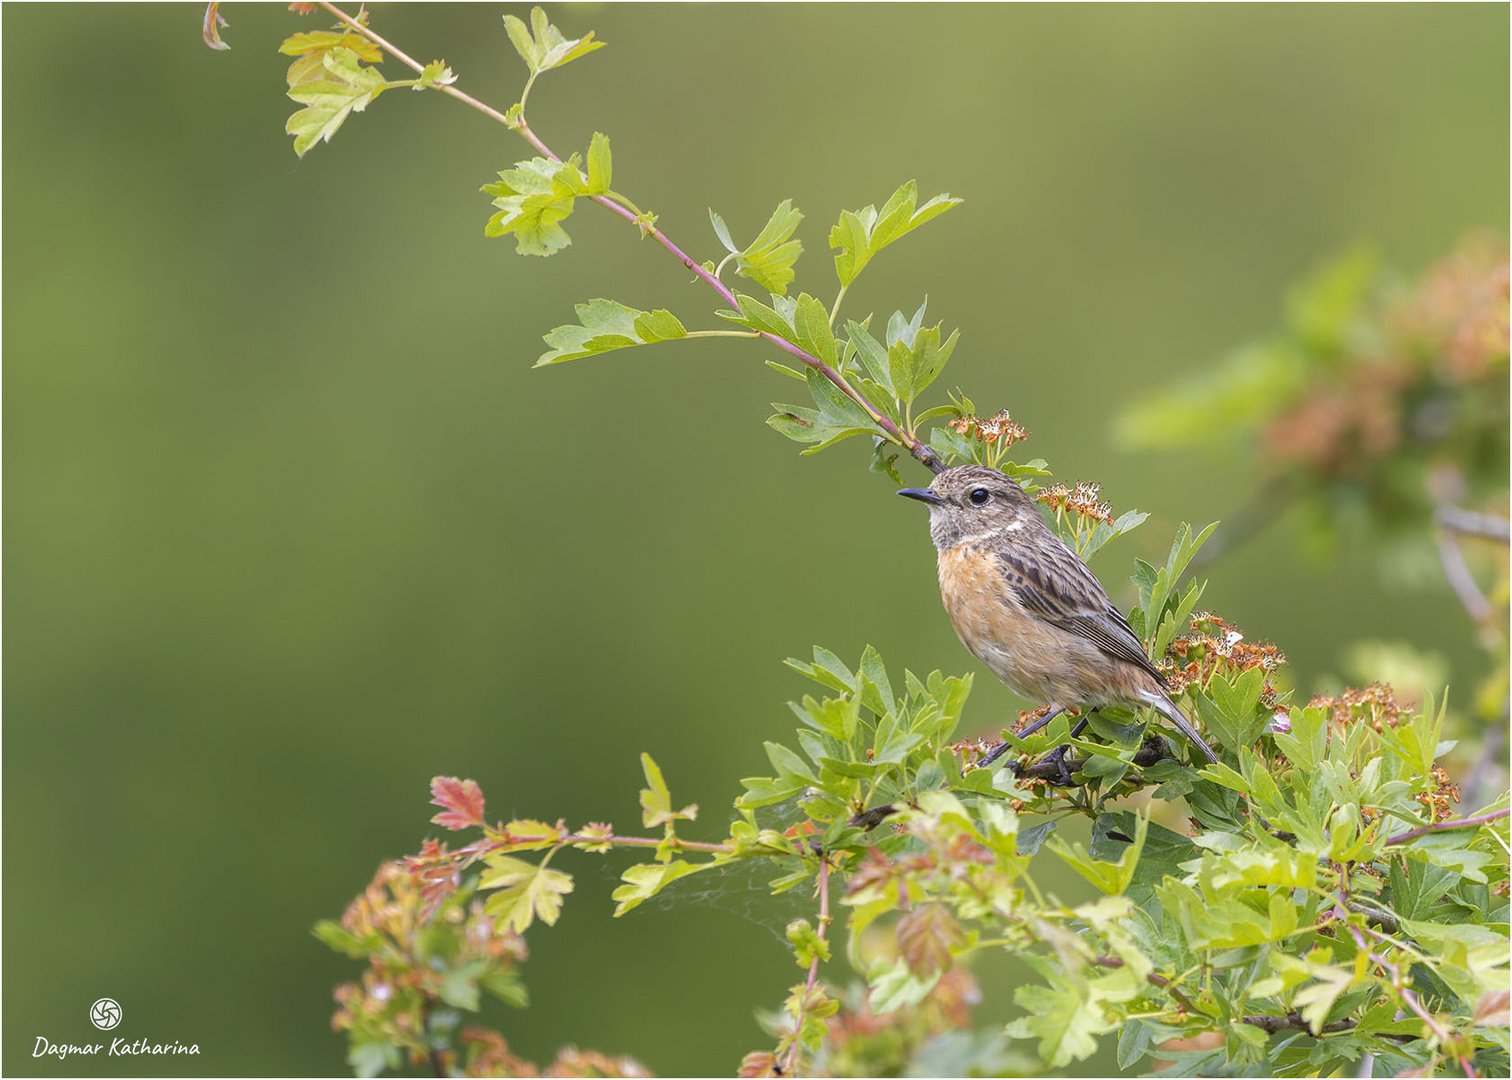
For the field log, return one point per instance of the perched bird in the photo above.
(1029, 609)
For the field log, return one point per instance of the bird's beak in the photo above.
(924, 495)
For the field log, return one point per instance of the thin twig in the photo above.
(1441, 826)
(824, 921)
(909, 442)
(1384, 919)
(1271, 1024)
(1175, 991)
(1153, 751)
(649, 842)
(1156, 980)
(1293, 1021)
(1457, 573)
(1471, 523)
(1409, 997)
(796, 1049)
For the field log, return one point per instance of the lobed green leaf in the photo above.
(606, 325)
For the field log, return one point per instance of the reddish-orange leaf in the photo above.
(926, 936)
(758, 1063)
(460, 800)
(1492, 1010)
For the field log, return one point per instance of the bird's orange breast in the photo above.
(1034, 658)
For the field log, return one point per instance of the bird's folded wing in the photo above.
(1056, 586)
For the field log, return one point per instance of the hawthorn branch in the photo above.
(1175, 991)
(1456, 823)
(1461, 581)
(921, 452)
(649, 842)
(1154, 750)
(824, 921)
(1292, 1021)
(1384, 919)
(789, 1065)
(1470, 523)
(1409, 998)
(1161, 981)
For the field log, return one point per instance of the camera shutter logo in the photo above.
(105, 1014)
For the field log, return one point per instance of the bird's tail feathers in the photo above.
(1168, 709)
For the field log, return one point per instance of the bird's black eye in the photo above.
(979, 496)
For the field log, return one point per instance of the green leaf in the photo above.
(1317, 999)
(526, 891)
(788, 764)
(459, 988)
(722, 231)
(1232, 711)
(860, 234)
(1156, 593)
(1304, 744)
(757, 316)
(600, 170)
(542, 46)
(811, 324)
(807, 944)
(346, 87)
(1162, 855)
(339, 939)
(369, 1057)
(1134, 1041)
(915, 353)
(1111, 877)
(309, 51)
(656, 800)
(436, 74)
(873, 355)
(1104, 533)
(507, 987)
(647, 879)
(767, 260)
(533, 199)
(605, 325)
(1415, 886)
(1059, 1017)
(895, 986)
(767, 791)
(837, 416)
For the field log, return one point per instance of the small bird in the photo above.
(1029, 609)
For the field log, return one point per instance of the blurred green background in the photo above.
(292, 526)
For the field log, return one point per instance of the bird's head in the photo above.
(973, 503)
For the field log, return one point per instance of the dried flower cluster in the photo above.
(1445, 791)
(1215, 646)
(1082, 500)
(1375, 705)
(1457, 315)
(997, 428)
